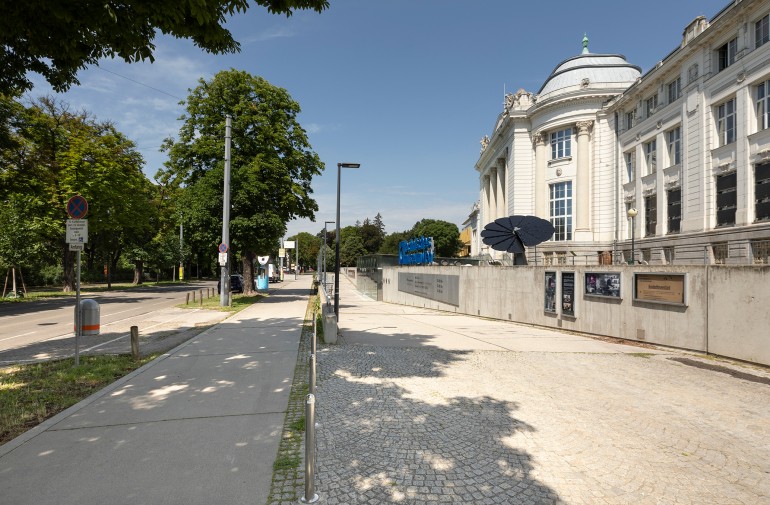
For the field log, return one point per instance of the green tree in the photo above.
(351, 248)
(391, 241)
(57, 39)
(56, 154)
(272, 164)
(309, 245)
(371, 236)
(446, 236)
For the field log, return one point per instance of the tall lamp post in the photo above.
(326, 287)
(340, 166)
(632, 212)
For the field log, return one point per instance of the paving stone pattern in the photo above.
(430, 426)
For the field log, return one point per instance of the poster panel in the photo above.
(550, 292)
(568, 293)
(605, 284)
(661, 288)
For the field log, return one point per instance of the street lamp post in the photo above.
(326, 287)
(337, 246)
(632, 212)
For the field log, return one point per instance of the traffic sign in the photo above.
(223, 259)
(77, 231)
(77, 247)
(263, 259)
(222, 248)
(77, 207)
(288, 244)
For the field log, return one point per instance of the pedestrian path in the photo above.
(422, 407)
(199, 425)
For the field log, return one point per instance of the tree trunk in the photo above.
(68, 262)
(138, 271)
(247, 260)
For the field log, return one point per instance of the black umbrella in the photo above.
(512, 233)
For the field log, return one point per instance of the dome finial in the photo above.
(585, 44)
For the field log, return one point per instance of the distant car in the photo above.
(236, 284)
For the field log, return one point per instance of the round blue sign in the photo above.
(223, 248)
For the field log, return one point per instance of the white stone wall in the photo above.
(726, 312)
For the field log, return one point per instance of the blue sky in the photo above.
(407, 88)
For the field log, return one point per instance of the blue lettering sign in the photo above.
(418, 251)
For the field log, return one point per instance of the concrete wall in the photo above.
(727, 309)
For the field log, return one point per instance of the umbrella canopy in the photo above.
(512, 233)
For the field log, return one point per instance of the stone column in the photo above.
(493, 193)
(485, 201)
(582, 202)
(541, 195)
(501, 204)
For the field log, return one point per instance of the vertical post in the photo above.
(135, 342)
(296, 256)
(337, 250)
(187, 299)
(181, 245)
(224, 281)
(310, 496)
(78, 314)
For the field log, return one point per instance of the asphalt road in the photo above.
(44, 329)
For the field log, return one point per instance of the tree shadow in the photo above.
(392, 433)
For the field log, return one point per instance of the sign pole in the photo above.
(78, 315)
(296, 268)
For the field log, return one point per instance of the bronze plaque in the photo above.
(665, 288)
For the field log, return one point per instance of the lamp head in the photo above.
(348, 165)
(632, 212)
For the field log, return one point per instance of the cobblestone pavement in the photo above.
(423, 425)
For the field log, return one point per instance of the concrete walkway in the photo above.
(422, 407)
(199, 425)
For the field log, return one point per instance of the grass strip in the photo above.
(239, 302)
(32, 393)
(288, 469)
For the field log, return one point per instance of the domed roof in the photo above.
(598, 69)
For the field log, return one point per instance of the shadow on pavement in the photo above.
(394, 432)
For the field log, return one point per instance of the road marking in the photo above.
(17, 336)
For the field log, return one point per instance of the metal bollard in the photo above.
(187, 300)
(310, 496)
(311, 373)
(315, 334)
(201, 297)
(193, 296)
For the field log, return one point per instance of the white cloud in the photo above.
(279, 32)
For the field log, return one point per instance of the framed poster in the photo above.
(550, 292)
(664, 288)
(568, 293)
(605, 284)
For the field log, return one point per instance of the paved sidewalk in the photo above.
(200, 425)
(421, 407)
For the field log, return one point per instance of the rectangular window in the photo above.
(726, 54)
(674, 209)
(762, 191)
(561, 143)
(561, 210)
(650, 215)
(630, 119)
(631, 165)
(650, 157)
(726, 122)
(761, 31)
(674, 146)
(674, 90)
(763, 100)
(650, 105)
(727, 199)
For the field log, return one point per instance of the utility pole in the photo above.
(224, 281)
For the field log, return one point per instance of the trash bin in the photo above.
(89, 313)
(262, 281)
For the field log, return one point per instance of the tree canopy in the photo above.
(272, 164)
(57, 39)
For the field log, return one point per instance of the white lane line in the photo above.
(17, 336)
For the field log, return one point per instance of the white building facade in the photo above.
(687, 145)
